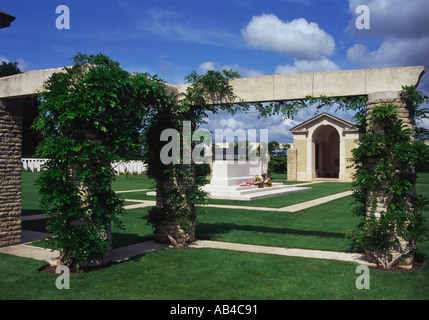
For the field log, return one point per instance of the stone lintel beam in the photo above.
(31, 83)
(264, 88)
(332, 84)
(25, 84)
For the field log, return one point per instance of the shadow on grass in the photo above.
(126, 239)
(31, 212)
(38, 225)
(207, 231)
(118, 239)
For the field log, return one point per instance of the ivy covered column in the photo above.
(392, 126)
(90, 117)
(393, 97)
(174, 216)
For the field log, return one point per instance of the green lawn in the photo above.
(30, 195)
(132, 182)
(221, 274)
(318, 190)
(322, 227)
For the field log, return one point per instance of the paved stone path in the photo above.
(128, 191)
(304, 253)
(124, 253)
(291, 208)
(28, 251)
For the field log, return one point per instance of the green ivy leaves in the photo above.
(385, 176)
(91, 115)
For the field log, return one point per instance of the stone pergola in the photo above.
(380, 85)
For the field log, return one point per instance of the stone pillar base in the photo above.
(171, 232)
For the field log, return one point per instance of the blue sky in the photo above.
(173, 38)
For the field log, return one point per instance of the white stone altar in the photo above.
(228, 175)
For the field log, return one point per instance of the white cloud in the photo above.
(404, 28)
(302, 66)
(206, 66)
(278, 126)
(231, 124)
(243, 72)
(424, 123)
(297, 38)
(290, 123)
(22, 64)
(392, 52)
(179, 26)
(403, 19)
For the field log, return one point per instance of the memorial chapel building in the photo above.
(321, 149)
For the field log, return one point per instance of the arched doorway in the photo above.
(326, 143)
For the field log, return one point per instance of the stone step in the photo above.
(248, 193)
(252, 193)
(255, 189)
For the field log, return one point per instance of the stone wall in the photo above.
(10, 172)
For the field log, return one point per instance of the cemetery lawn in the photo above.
(209, 274)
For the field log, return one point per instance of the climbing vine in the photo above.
(180, 197)
(384, 182)
(95, 113)
(91, 115)
(385, 162)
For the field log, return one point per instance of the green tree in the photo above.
(273, 145)
(9, 68)
(278, 164)
(91, 115)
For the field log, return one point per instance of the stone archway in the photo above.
(321, 148)
(326, 144)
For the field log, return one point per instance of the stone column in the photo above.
(342, 158)
(106, 234)
(10, 172)
(291, 164)
(386, 97)
(310, 159)
(169, 230)
(377, 99)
